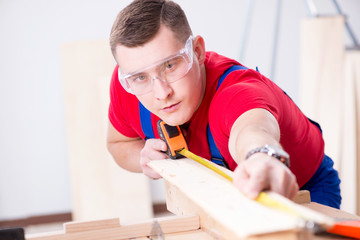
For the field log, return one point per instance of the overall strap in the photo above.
(145, 120)
(216, 156)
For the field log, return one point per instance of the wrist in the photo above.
(272, 151)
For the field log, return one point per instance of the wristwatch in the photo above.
(272, 151)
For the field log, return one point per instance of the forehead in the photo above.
(163, 45)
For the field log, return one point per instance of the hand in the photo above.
(262, 172)
(152, 151)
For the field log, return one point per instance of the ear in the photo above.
(199, 49)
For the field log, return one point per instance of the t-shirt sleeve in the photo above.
(232, 101)
(118, 112)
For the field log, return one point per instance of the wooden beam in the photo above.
(223, 210)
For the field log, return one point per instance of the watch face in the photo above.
(278, 153)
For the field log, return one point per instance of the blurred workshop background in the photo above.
(55, 68)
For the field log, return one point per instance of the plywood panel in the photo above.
(100, 188)
(349, 166)
(330, 95)
(321, 61)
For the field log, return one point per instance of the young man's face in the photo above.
(174, 102)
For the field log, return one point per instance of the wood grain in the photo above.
(223, 210)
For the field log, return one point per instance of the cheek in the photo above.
(147, 101)
(193, 90)
(197, 88)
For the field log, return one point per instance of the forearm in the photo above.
(127, 154)
(253, 129)
(256, 128)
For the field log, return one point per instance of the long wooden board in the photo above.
(223, 210)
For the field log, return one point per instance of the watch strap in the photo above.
(272, 152)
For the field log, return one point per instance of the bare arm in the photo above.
(253, 129)
(133, 154)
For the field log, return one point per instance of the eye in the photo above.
(172, 64)
(138, 78)
(169, 65)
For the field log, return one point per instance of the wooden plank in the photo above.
(349, 166)
(332, 212)
(173, 224)
(288, 235)
(96, 180)
(178, 203)
(73, 227)
(321, 81)
(302, 196)
(197, 234)
(223, 210)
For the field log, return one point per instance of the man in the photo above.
(164, 70)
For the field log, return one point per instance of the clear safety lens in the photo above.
(170, 70)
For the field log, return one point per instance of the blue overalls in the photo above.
(324, 185)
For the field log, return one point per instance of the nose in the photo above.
(161, 88)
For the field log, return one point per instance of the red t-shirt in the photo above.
(241, 91)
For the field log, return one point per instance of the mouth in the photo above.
(171, 108)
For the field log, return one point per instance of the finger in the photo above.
(291, 186)
(155, 155)
(294, 190)
(257, 183)
(153, 150)
(156, 144)
(284, 182)
(148, 171)
(280, 182)
(258, 180)
(240, 177)
(151, 173)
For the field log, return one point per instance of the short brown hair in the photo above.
(140, 21)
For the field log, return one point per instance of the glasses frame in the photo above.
(186, 50)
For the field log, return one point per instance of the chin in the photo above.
(174, 121)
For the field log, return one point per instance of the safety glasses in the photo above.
(169, 70)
